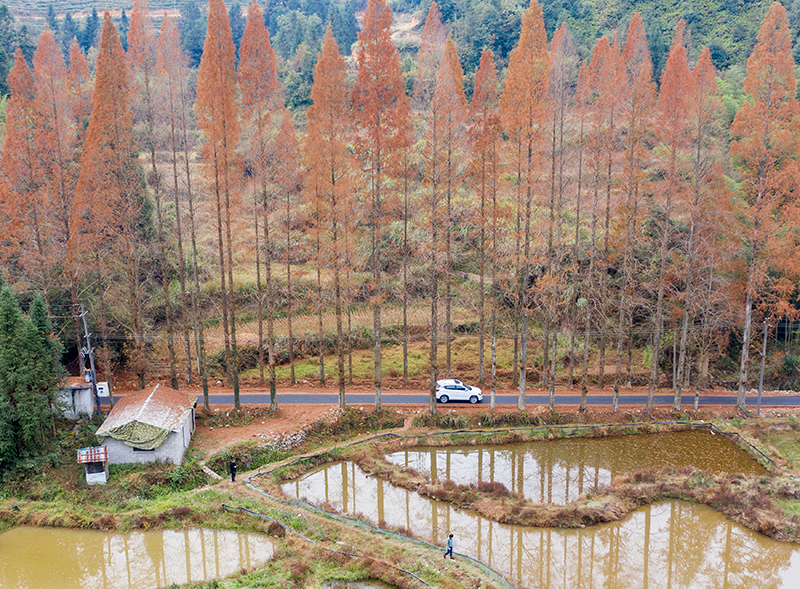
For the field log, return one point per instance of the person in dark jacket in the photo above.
(232, 466)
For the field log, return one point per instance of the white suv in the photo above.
(455, 390)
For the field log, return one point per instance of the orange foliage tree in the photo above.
(381, 113)
(431, 50)
(765, 146)
(57, 147)
(598, 91)
(706, 200)
(637, 104)
(552, 293)
(673, 140)
(142, 55)
(523, 111)
(330, 169)
(26, 210)
(261, 95)
(485, 136)
(218, 117)
(110, 213)
(174, 99)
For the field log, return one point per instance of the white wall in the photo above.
(172, 450)
(77, 402)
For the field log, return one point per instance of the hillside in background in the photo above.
(297, 26)
(728, 27)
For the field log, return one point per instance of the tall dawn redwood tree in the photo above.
(381, 113)
(485, 140)
(330, 169)
(261, 97)
(56, 140)
(673, 137)
(26, 210)
(765, 142)
(142, 56)
(706, 193)
(524, 116)
(218, 117)
(431, 50)
(172, 65)
(637, 105)
(110, 213)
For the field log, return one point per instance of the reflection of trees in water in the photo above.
(42, 558)
(672, 544)
(560, 471)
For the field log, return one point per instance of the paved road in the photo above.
(421, 399)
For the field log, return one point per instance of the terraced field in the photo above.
(38, 8)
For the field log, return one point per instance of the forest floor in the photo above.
(260, 426)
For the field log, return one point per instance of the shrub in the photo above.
(517, 419)
(249, 455)
(442, 421)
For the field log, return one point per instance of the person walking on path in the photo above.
(232, 466)
(449, 547)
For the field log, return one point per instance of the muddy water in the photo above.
(672, 544)
(355, 585)
(559, 471)
(53, 558)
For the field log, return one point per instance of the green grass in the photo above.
(464, 361)
(786, 444)
(789, 506)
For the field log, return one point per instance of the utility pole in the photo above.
(89, 350)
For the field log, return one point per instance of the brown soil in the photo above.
(293, 417)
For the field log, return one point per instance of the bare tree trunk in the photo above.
(405, 268)
(524, 273)
(259, 292)
(156, 183)
(337, 295)
(659, 320)
(289, 302)
(321, 343)
(434, 267)
(223, 290)
(482, 270)
(377, 293)
(185, 304)
(232, 298)
(448, 277)
(273, 400)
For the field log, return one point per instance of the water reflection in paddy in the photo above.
(672, 544)
(559, 471)
(55, 558)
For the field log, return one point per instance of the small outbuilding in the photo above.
(95, 464)
(76, 398)
(149, 427)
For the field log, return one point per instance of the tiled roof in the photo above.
(162, 408)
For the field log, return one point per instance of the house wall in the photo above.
(172, 450)
(76, 402)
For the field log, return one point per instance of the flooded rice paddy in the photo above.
(672, 544)
(560, 471)
(55, 558)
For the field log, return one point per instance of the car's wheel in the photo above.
(473, 399)
(444, 399)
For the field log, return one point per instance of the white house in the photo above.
(149, 427)
(76, 398)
